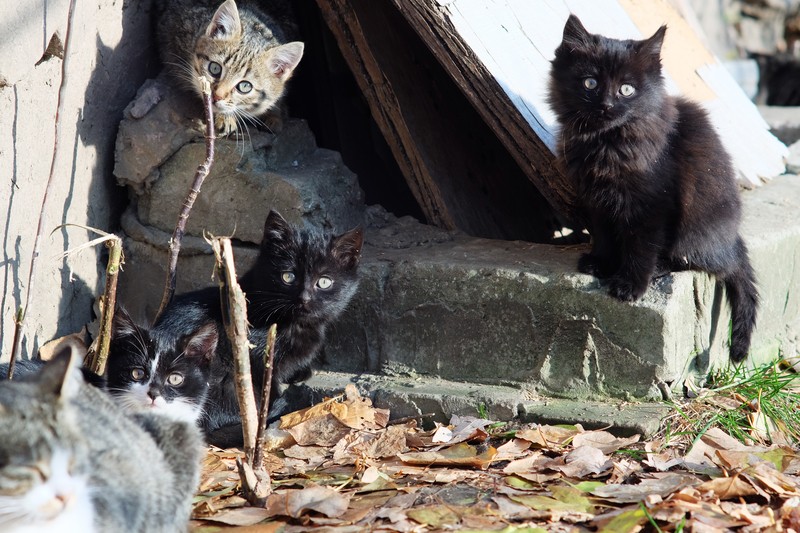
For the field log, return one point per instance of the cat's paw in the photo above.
(625, 289)
(225, 124)
(590, 264)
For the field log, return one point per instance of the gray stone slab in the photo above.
(408, 396)
(513, 313)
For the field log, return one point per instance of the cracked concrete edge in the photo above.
(408, 396)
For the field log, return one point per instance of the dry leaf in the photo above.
(581, 462)
(295, 502)
(458, 455)
(662, 485)
(323, 430)
(603, 441)
(727, 488)
(549, 437)
(244, 516)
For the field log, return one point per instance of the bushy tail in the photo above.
(743, 297)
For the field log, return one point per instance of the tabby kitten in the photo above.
(147, 371)
(242, 51)
(302, 281)
(71, 461)
(655, 183)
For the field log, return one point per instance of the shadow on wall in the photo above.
(119, 71)
(91, 197)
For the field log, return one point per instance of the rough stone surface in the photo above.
(413, 396)
(784, 122)
(160, 146)
(110, 53)
(513, 313)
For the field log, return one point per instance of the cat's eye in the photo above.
(288, 277)
(590, 83)
(626, 89)
(214, 68)
(137, 374)
(244, 87)
(324, 282)
(175, 379)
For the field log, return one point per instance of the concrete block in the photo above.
(161, 143)
(518, 314)
(793, 161)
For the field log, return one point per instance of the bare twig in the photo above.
(269, 358)
(97, 358)
(22, 311)
(199, 177)
(234, 315)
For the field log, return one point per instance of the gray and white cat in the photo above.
(71, 460)
(242, 50)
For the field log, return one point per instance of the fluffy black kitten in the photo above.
(151, 372)
(653, 179)
(302, 281)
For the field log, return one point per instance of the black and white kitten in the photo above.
(302, 281)
(655, 183)
(151, 372)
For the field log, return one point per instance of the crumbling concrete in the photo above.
(159, 147)
(784, 122)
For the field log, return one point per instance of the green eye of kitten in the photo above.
(214, 68)
(324, 282)
(244, 87)
(627, 90)
(590, 83)
(175, 379)
(137, 374)
(287, 277)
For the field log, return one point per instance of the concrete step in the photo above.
(445, 306)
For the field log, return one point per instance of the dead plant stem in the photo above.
(269, 359)
(22, 312)
(183, 217)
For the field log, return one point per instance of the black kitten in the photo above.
(655, 183)
(302, 281)
(149, 371)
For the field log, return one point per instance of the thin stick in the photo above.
(97, 359)
(234, 316)
(269, 359)
(199, 177)
(23, 311)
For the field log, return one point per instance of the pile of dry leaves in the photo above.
(342, 466)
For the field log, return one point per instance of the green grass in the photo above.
(736, 397)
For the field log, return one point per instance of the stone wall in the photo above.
(111, 53)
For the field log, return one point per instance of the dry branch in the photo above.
(97, 358)
(199, 177)
(23, 311)
(269, 359)
(234, 316)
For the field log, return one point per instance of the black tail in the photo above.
(743, 296)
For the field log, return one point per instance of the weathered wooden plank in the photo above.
(460, 174)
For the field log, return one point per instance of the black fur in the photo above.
(147, 369)
(301, 309)
(655, 183)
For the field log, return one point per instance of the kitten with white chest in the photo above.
(70, 460)
(163, 374)
(241, 49)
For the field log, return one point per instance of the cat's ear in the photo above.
(276, 228)
(652, 45)
(346, 248)
(225, 23)
(284, 59)
(123, 325)
(574, 33)
(202, 343)
(61, 375)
